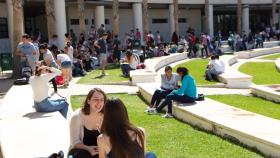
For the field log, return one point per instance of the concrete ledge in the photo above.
(235, 79)
(25, 133)
(269, 92)
(277, 63)
(249, 128)
(152, 66)
(257, 52)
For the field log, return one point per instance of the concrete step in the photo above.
(251, 129)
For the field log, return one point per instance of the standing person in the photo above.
(244, 41)
(219, 38)
(67, 38)
(36, 43)
(53, 41)
(27, 51)
(101, 45)
(204, 44)
(64, 61)
(85, 125)
(138, 34)
(40, 87)
(175, 38)
(186, 94)
(169, 82)
(101, 30)
(49, 61)
(120, 138)
(117, 49)
(92, 33)
(73, 37)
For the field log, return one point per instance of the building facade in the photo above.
(208, 16)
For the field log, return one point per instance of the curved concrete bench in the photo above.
(249, 128)
(25, 133)
(277, 63)
(268, 92)
(257, 52)
(226, 48)
(235, 79)
(152, 66)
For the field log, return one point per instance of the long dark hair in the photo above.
(183, 70)
(116, 125)
(86, 106)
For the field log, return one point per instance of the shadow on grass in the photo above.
(226, 137)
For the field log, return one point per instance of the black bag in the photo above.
(21, 81)
(200, 97)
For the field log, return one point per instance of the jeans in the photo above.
(158, 95)
(212, 74)
(150, 155)
(48, 105)
(174, 97)
(126, 69)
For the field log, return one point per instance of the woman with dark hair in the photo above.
(85, 125)
(169, 82)
(186, 94)
(175, 38)
(128, 63)
(120, 138)
(40, 87)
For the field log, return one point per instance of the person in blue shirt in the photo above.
(186, 94)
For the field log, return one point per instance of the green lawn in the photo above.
(170, 138)
(113, 76)
(250, 103)
(197, 69)
(262, 72)
(272, 57)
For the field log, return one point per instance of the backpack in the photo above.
(200, 97)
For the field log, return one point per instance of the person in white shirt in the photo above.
(215, 67)
(128, 63)
(65, 63)
(40, 87)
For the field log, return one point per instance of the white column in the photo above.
(60, 21)
(99, 16)
(245, 19)
(10, 22)
(171, 19)
(211, 21)
(138, 18)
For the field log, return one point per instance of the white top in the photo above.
(169, 84)
(63, 57)
(70, 53)
(48, 56)
(218, 65)
(40, 84)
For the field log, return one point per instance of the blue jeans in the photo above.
(150, 155)
(212, 74)
(48, 105)
(174, 97)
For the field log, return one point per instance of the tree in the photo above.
(239, 18)
(17, 33)
(273, 12)
(49, 4)
(145, 17)
(81, 13)
(206, 12)
(116, 18)
(176, 16)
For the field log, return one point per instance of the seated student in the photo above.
(120, 138)
(40, 87)
(85, 125)
(215, 67)
(186, 94)
(169, 82)
(128, 63)
(64, 61)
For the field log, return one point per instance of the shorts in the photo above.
(103, 57)
(66, 64)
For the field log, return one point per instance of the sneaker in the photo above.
(149, 110)
(153, 112)
(167, 115)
